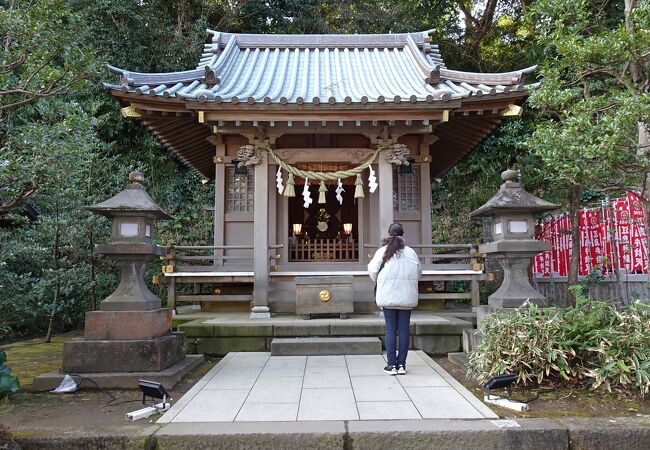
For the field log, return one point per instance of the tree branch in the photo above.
(25, 191)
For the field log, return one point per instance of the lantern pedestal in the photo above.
(115, 325)
(132, 294)
(514, 258)
(134, 355)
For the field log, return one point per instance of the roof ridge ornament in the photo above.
(210, 77)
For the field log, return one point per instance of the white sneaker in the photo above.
(401, 370)
(390, 370)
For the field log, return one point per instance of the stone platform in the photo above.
(219, 334)
(258, 387)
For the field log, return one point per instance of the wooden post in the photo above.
(261, 242)
(385, 191)
(219, 198)
(425, 193)
(171, 294)
(473, 284)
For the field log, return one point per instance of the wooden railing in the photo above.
(332, 250)
(462, 259)
(427, 254)
(194, 257)
(215, 267)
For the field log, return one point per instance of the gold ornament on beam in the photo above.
(130, 112)
(290, 190)
(322, 190)
(358, 190)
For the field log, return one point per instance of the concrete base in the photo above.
(120, 380)
(325, 346)
(143, 355)
(260, 312)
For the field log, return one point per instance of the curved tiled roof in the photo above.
(319, 69)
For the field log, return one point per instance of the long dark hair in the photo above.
(394, 242)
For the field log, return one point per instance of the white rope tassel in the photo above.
(358, 190)
(339, 190)
(290, 190)
(372, 181)
(279, 180)
(322, 190)
(306, 195)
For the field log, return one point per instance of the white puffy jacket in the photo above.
(397, 283)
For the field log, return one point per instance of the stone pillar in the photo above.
(261, 242)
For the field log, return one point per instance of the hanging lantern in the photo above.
(406, 166)
(289, 190)
(322, 190)
(358, 191)
(240, 168)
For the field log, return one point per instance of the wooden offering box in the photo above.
(324, 295)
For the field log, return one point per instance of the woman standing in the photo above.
(396, 269)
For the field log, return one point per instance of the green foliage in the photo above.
(590, 340)
(527, 341)
(593, 92)
(8, 383)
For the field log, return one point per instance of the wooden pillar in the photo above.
(261, 241)
(425, 193)
(385, 191)
(219, 197)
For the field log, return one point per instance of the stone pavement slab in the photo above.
(258, 387)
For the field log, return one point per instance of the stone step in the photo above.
(458, 358)
(310, 346)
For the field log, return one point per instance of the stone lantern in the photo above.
(130, 336)
(133, 213)
(511, 210)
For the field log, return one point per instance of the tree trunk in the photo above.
(574, 216)
(91, 244)
(57, 290)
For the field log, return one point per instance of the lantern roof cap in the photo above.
(512, 198)
(132, 201)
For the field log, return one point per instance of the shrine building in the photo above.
(316, 144)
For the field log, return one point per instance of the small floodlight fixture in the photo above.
(153, 390)
(500, 382)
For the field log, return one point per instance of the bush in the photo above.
(8, 383)
(591, 340)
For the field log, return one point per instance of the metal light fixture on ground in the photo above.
(502, 382)
(156, 391)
